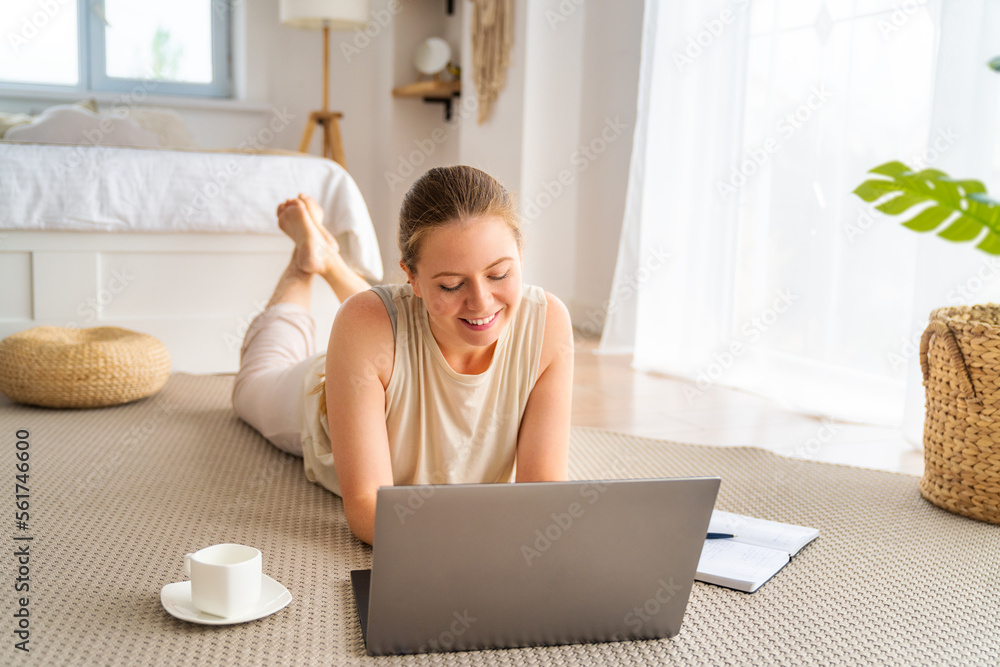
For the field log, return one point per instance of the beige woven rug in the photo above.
(119, 494)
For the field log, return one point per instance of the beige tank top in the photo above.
(444, 427)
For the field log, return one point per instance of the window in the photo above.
(832, 90)
(170, 47)
(754, 125)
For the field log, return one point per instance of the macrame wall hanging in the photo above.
(492, 35)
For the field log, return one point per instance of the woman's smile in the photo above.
(480, 324)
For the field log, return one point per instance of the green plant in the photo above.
(960, 207)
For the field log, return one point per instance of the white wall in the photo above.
(574, 69)
(610, 63)
(552, 111)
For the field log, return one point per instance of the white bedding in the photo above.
(102, 189)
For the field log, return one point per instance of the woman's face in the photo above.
(469, 277)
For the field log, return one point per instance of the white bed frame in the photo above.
(196, 292)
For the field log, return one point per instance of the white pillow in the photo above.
(72, 124)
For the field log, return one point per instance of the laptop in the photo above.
(474, 566)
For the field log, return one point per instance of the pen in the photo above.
(718, 536)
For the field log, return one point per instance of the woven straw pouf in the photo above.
(960, 360)
(58, 367)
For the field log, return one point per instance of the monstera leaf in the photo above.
(960, 209)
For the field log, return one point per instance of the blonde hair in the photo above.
(450, 194)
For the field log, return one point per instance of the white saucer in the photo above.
(176, 599)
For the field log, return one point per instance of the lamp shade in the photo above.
(315, 14)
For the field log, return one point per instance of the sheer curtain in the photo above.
(676, 259)
(744, 258)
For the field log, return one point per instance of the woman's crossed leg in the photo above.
(279, 345)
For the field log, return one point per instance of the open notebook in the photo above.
(758, 551)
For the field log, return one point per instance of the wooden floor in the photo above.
(607, 393)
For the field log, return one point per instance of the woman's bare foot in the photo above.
(314, 251)
(317, 215)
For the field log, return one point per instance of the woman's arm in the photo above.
(359, 363)
(543, 437)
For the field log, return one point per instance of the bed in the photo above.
(178, 243)
(118, 495)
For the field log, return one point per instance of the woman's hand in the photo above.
(359, 364)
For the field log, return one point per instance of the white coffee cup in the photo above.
(225, 579)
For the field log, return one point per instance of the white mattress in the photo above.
(114, 189)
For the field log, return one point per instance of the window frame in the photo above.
(91, 61)
(98, 80)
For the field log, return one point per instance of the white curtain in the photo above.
(675, 268)
(744, 258)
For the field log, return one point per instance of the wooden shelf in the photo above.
(433, 90)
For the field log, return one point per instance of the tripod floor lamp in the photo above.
(326, 15)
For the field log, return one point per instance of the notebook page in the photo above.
(761, 532)
(741, 562)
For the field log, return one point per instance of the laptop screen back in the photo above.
(471, 566)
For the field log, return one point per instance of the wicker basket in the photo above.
(59, 367)
(960, 360)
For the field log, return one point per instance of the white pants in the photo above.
(268, 392)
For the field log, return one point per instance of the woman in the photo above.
(455, 376)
